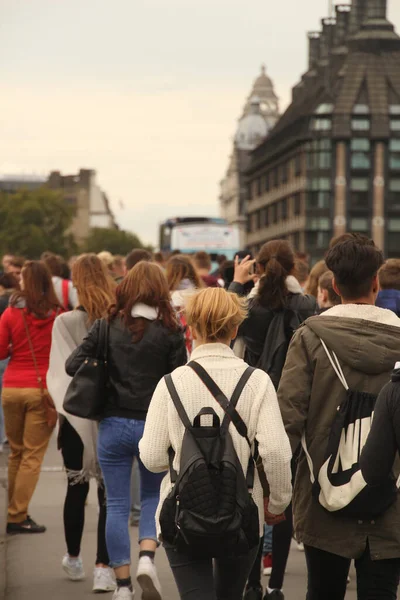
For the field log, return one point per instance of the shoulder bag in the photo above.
(87, 393)
(50, 409)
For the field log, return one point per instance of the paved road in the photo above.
(33, 562)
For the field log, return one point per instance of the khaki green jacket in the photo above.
(366, 341)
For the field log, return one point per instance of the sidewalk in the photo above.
(33, 562)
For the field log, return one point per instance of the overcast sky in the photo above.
(147, 92)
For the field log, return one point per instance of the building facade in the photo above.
(260, 113)
(90, 204)
(332, 162)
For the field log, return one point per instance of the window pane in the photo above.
(360, 185)
(324, 109)
(324, 160)
(319, 223)
(360, 160)
(394, 109)
(395, 124)
(394, 161)
(361, 109)
(360, 144)
(394, 185)
(359, 224)
(394, 225)
(318, 199)
(322, 124)
(321, 183)
(394, 145)
(360, 124)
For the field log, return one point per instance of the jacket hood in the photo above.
(33, 319)
(292, 285)
(366, 338)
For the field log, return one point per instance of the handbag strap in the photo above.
(28, 336)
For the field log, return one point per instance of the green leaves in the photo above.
(33, 221)
(112, 240)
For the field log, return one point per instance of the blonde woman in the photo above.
(214, 316)
(78, 437)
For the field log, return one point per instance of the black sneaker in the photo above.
(274, 595)
(27, 526)
(253, 594)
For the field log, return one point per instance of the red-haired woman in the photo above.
(145, 343)
(25, 336)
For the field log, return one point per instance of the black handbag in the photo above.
(87, 393)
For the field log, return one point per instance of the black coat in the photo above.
(255, 328)
(134, 368)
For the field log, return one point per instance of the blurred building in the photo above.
(91, 205)
(260, 113)
(332, 162)
(13, 183)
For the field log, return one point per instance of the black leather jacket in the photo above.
(254, 329)
(134, 368)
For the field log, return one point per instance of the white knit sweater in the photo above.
(258, 407)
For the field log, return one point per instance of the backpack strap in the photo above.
(222, 400)
(333, 359)
(177, 402)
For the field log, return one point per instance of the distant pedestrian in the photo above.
(214, 316)
(389, 282)
(136, 256)
(276, 308)
(78, 437)
(312, 284)
(327, 297)
(29, 413)
(145, 343)
(182, 281)
(202, 263)
(64, 289)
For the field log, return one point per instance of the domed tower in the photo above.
(263, 88)
(260, 113)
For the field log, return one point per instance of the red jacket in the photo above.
(21, 372)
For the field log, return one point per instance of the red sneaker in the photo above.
(267, 563)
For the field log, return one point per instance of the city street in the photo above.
(34, 562)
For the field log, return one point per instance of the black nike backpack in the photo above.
(210, 511)
(339, 486)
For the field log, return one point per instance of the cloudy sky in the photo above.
(147, 92)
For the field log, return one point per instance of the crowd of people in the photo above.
(226, 385)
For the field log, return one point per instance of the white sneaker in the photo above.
(300, 546)
(123, 593)
(73, 568)
(103, 580)
(148, 580)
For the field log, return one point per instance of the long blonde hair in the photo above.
(95, 286)
(215, 313)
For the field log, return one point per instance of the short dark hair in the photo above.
(17, 261)
(136, 256)
(389, 275)
(325, 282)
(338, 239)
(354, 263)
(53, 263)
(202, 260)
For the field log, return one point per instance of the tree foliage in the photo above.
(33, 221)
(115, 241)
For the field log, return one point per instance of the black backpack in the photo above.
(339, 486)
(280, 332)
(210, 511)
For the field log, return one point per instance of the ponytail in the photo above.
(277, 260)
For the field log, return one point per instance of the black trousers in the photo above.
(281, 541)
(327, 576)
(74, 507)
(200, 579)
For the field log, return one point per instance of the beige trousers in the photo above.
(28, 435)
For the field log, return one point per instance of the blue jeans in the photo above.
(118, 445)
(267, 549)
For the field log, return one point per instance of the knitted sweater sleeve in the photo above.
(274, 449)
(155, 442)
